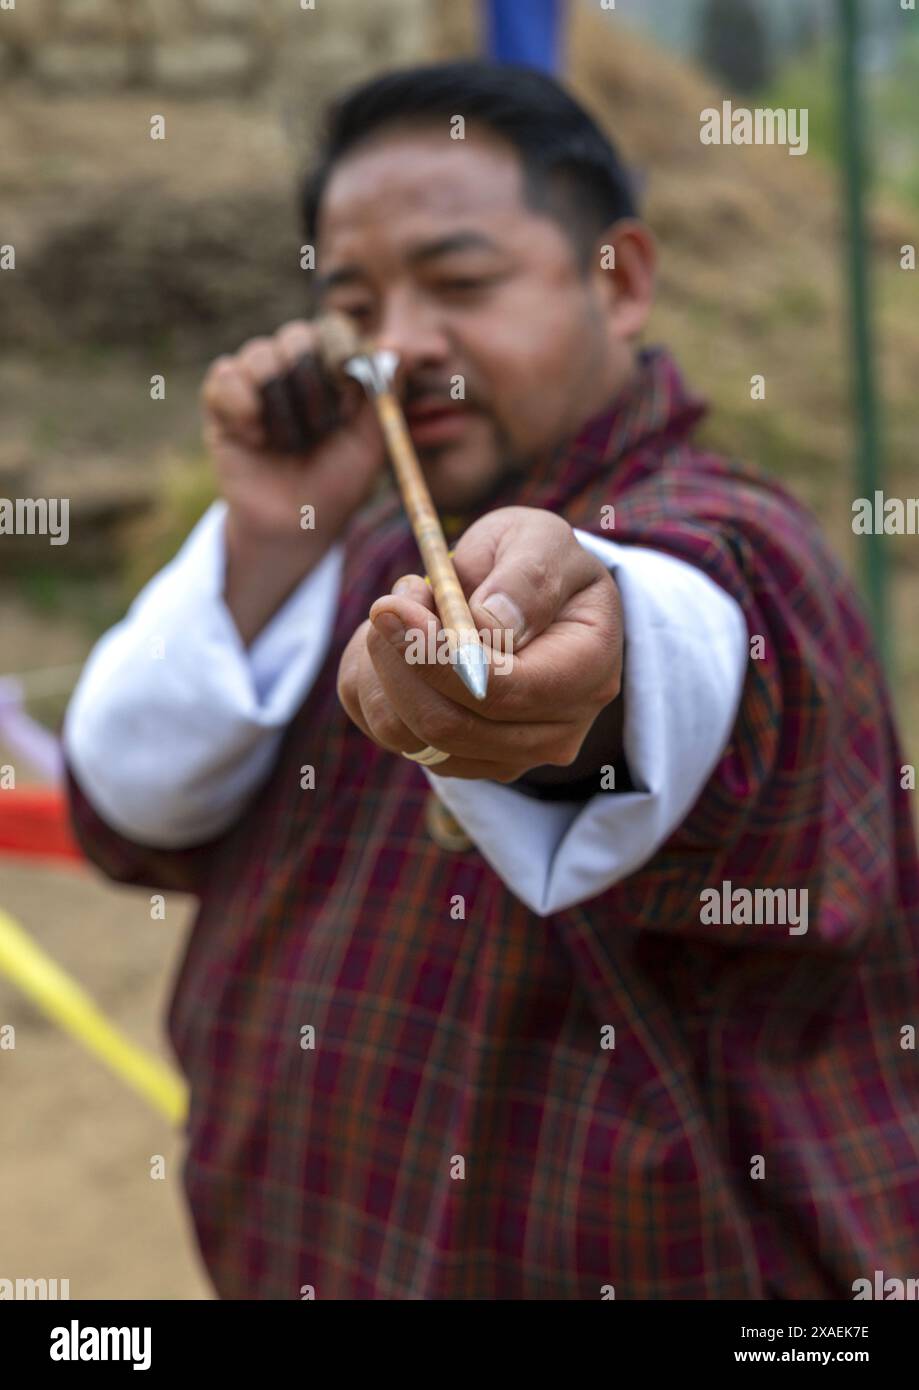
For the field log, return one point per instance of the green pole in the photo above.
(868, 470)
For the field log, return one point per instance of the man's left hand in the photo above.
(549, 685)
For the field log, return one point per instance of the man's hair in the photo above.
(571, 169)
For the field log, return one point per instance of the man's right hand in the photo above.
(268, 550)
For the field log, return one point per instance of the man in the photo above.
(614, 999)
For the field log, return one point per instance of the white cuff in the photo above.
(686, 659)
(173, 724)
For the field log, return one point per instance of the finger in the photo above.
(260, 360)
(364, 698)
(564, 676)
(408, 622)
(285, 413)
(348, 677)
(319, 395)
(519, 565)
(309, 379)
(365, 702)
(229, 396)
(434, 718)
(516, 683)
(416, 590)
(381, 722)
(262, 364)
(293, 339)
(537, 566)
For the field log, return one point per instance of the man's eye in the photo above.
(464, 282)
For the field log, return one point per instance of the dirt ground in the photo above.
(77, 1200)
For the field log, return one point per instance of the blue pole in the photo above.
(528, 32)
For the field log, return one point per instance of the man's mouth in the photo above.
(436, 421)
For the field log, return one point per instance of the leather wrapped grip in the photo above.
(307, 403)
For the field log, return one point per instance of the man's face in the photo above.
(506, 346)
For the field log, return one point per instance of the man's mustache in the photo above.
(442, 391)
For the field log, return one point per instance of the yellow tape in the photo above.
(427, 581)
(62, 1000)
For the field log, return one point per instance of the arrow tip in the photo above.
(472, 668)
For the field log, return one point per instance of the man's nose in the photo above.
(414, 335)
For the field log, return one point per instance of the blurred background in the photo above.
(136, 257)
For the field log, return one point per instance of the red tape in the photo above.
(34, 822)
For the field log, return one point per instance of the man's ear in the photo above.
(624, 272)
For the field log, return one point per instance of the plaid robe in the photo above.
(459, 1129)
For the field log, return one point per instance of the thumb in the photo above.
(525, 564)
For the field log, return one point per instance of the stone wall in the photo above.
(193, 242)
(199, 47)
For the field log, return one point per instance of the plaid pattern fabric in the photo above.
(459, 1129)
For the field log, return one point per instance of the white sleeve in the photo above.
(687, 650)
(173, 724)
